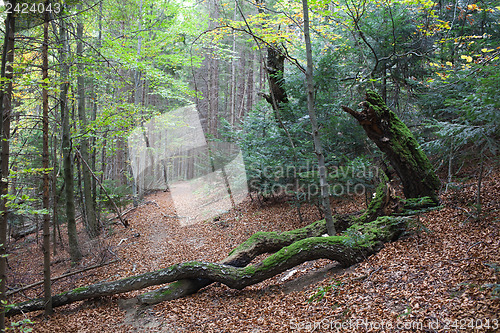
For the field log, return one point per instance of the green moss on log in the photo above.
(269, 242)
(403, 144)
(372, 234)
(75, 291)
(315, 228)
(375, 204)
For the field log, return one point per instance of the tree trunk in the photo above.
(392, 136)
(275, 68)
(318, 148)
(345, 249)
(89, 206)
(5, 113)
(257, 244)
(45, 163)
(74, 248)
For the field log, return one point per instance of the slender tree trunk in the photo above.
(250, 87)
(93, 154)
(213, 87)
(318, 149)
(95, 193)
(55, 199)
(233, 86)
(479, 182)
(89, 206)
(45, 163)
(6, 110)
(68, 175)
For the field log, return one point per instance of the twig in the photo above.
(470, 247)
(15, 291)
(117, 211)
(134, 208)
(367, 276)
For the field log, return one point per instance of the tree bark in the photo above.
(392, 136)
(318, 148)
(275, 68)
(47, 287)
(74, 248)
(5, 113)
(259, 243)
(89, 205)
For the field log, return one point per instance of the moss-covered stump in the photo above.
(394, 138)
(352, 246)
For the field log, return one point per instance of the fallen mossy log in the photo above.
(259, 243)
(354, 245)
(270, 242)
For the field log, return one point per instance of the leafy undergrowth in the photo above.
(438, 278)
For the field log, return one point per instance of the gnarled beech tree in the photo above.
(382, 222)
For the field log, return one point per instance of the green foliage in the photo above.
(21, 326)
(495, 287)
(467, 120)
(323, 290)
(120, 194)
(461, 100)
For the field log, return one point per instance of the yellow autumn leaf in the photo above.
(466, 57)
(487, 50)
(449, 63)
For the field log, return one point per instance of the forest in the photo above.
(250, 166)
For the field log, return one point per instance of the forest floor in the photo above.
(435, 279)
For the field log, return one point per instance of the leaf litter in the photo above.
(437, 278)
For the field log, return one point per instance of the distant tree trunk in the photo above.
(275, 68)
(250, 95)
(206, 80)
(74, 248)
(89, 206)
(45, 163)
(392, 136)
(138, 102)
(6, 110)
(233, 89)
(213, 97)
(55, 199)
(95, 194)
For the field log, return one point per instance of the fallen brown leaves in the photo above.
(435, 280)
